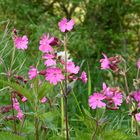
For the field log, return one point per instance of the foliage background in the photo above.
(109, 26)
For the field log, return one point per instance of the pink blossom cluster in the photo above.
(136, 96)
(110, 63)
(55, 66)
(20, 42)
(109, 97)
(136, 99)
(16, 106)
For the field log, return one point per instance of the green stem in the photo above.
(36, 125)
(65, 95)
(126, 84)
(62, 111)
(23, 120)
(95, 131)
(14, 125)
(137, 74)
(12, 58)
(77, 104)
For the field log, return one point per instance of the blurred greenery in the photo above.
(109, 26)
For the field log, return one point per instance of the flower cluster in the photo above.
(54, 62)
(110, 63)
(16, 106)
(134, 98)
(109, 97)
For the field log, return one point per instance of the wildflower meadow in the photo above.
(66, 79)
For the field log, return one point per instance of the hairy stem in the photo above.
(36, 126)
(94, 133)
(126, 84)
(62, 110)
(137, 77)
(23, 120)
(13, 114)
(65, 95)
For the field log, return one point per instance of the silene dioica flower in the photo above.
(20, 42)
(56, 70)
(110, 97)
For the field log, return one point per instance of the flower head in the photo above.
(44, 100)
(45, 44)
(20, 115)
(24, 99)
(71, 68)
(32, 72)
(21, 42)
(16, 104)
(54, 75)
(65, 25)
(137, 116)
(95, 100)
(117, 99)
(105, 63)
(50, 62)
(48, 56)
(84, 77)
(61, 55)
(113, 95)
(136, 95)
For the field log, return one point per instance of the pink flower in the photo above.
(54, 75)
(16, 104)
(45, 44)
(137, 116)
(84, 77)
(95, 100)
(138, 104)
(107, 91)
(48, 56)
(113, 95)
(65, 25)
(17, 108)
(24, 99)
(44, 100)
(50, 62)
(105, 63)
(20, 115)
(117, 99)
(21, 42)
(32, 72)
(136, 95)
(138, 64)
(71, 68)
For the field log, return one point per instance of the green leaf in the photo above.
(18, 88)
(43, 89)
(49, 116)
(80, 135)
(10, 136)
(89, 82)
(56, 138)
(118, 135)
(51, 119)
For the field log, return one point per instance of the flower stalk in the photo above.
(62, 111)
(65, 90)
